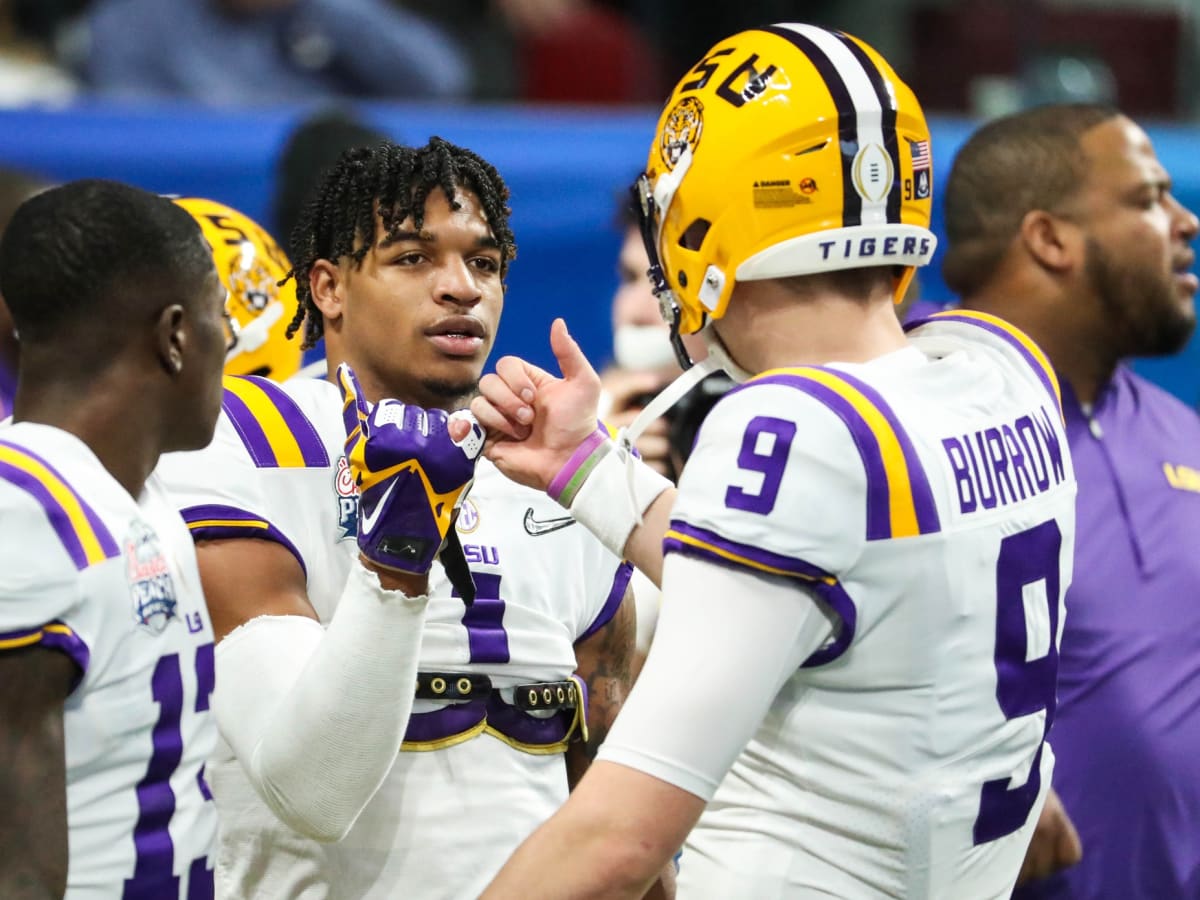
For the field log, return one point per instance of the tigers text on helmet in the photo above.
(258, 309)
(788, 150)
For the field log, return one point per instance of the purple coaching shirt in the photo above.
(1127, 729)
(8, 387)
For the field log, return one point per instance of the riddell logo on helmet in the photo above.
(869, 247)
(681, 130)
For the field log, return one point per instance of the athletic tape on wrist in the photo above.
(611, 500)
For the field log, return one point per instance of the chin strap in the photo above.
(665, 399)
(718, 360)
(718, 352)
(454, 563)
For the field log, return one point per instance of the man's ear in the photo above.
(325, 284)
(170, 338)
(1054, 242)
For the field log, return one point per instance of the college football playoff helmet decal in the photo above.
(788, 150)
(250, 264)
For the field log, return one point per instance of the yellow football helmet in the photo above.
(251, 264)
(788, 150)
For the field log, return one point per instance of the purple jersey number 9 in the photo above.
(1023, 686)
(769, 457)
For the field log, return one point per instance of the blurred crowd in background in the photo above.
(981, 57)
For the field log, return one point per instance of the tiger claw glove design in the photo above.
(411, 475)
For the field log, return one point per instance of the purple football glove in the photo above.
(411, 475)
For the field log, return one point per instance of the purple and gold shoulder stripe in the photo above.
(54, 635)
(900, 502)
(215, 522)
(271, 424)
(703, 543)
(82, 533)
(1010, 335)
(691, 540)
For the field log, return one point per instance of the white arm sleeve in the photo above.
(316, 715)
(726, 642)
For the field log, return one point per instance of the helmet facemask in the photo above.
(646, 210)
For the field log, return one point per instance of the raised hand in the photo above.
(411, 474)
(535, 421)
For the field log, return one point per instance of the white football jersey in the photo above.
(112, 582)
(477, 777)
(928, 498)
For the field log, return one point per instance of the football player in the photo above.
(251, 265)
(864, 563)
(106, 650)
(401, 269)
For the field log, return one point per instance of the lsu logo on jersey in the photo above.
(150, 584)
(347, 498)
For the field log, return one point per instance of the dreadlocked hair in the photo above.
(393, 182)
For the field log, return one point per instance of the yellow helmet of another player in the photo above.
(787, 150)
(251, 264)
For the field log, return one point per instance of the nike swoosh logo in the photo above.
(369, 522)
(536, 527)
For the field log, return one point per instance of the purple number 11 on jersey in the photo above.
(1023, 686)
(153, 874)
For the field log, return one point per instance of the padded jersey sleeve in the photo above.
(784, 480)
(41, 593)
(219, 491)
(775, 485)
(607, 579)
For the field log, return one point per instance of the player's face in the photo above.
(1138, 242)
(420, 314)
(634, 302)
(634, 305)
(204, 360)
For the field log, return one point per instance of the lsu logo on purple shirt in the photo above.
(1181, 477)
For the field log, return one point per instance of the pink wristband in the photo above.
(570, 478)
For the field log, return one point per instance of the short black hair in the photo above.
(1011, 166)
(340, 218)
(99, 254)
